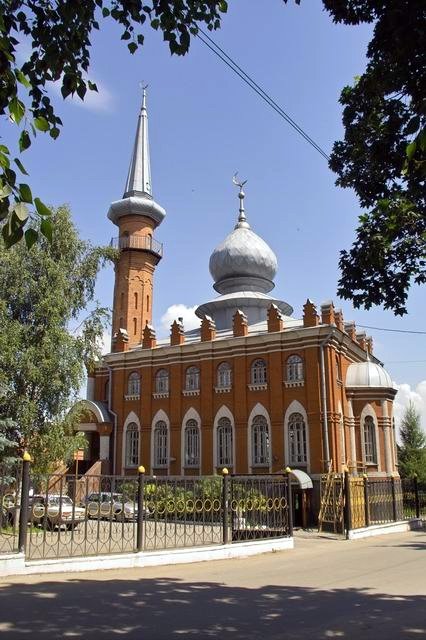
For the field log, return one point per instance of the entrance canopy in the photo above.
(302, 478)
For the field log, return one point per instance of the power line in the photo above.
(220, 53)
(364, 326)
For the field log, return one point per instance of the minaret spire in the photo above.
(139, 176)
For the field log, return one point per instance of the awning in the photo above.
(302, 478)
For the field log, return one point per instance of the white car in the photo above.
(106, 505)
(56, 511)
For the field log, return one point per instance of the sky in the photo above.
(205, 125)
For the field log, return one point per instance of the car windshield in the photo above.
(56, 500)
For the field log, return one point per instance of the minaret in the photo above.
(137, 215)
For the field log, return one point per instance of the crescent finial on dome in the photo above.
(242, 220)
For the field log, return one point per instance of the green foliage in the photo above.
(412, 452)
(383, 154)
(60, 33)
(41, 362)
(8, 445)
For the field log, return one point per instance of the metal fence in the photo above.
(414, 498)
(69, 516)
(10, 481)
(373, 501)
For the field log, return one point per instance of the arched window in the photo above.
(147, 303)
(135, 295)
(295, 371)
(160, 444)
(297, 439)
(162, 381)
(224, 375)
(132, 445)
(258, 372)
(224, 443)
(192, 379)
(369, 436)
(135, 326)
(192, 444)
(134, 384)
(260, 441)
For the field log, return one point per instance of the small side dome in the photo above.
(367, 374)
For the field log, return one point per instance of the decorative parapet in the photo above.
(310, 316)
(149, 340)
(239, 324)
(275, 319)
(327, 313)
(208, 329)
(177, 333)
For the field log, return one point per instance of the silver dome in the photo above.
(243, 261)
(367, 374)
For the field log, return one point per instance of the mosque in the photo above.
(252, 389)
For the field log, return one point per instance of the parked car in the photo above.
(110, 505)
(56, 511)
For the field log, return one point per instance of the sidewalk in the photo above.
(372, 589)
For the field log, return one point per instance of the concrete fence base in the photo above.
(15, 564)
(381, 529)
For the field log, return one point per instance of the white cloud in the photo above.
(190, 320)
(406, 394)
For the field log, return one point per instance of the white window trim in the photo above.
(160, 415)
(296, 407)
(369, 411)
(191, 414)
(132, 417)
(258, 410)
(223, 412)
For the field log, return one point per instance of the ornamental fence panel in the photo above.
(10, 481)
(66, 516)
(414, 498)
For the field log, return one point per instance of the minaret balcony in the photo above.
(144, 243)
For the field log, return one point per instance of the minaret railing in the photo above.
(146, 243)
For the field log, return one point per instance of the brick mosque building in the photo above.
(253, 388)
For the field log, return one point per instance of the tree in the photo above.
(41, 361)
(8, 446)
(59, 33)
(412, 452)
(383, 154)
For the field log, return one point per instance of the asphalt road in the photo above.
(373, 589)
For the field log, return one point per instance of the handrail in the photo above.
(147, 243)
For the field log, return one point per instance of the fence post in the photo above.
(225, 506)
(348, 510)
(25, 491)
(395, 517)
(416, 495)
(366, 501)
(290, 502)
(139, 531)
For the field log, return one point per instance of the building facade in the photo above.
(252, 389)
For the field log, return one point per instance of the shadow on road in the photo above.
(149, 609)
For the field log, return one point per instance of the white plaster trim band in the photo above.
(381, 529)
(14, 564)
